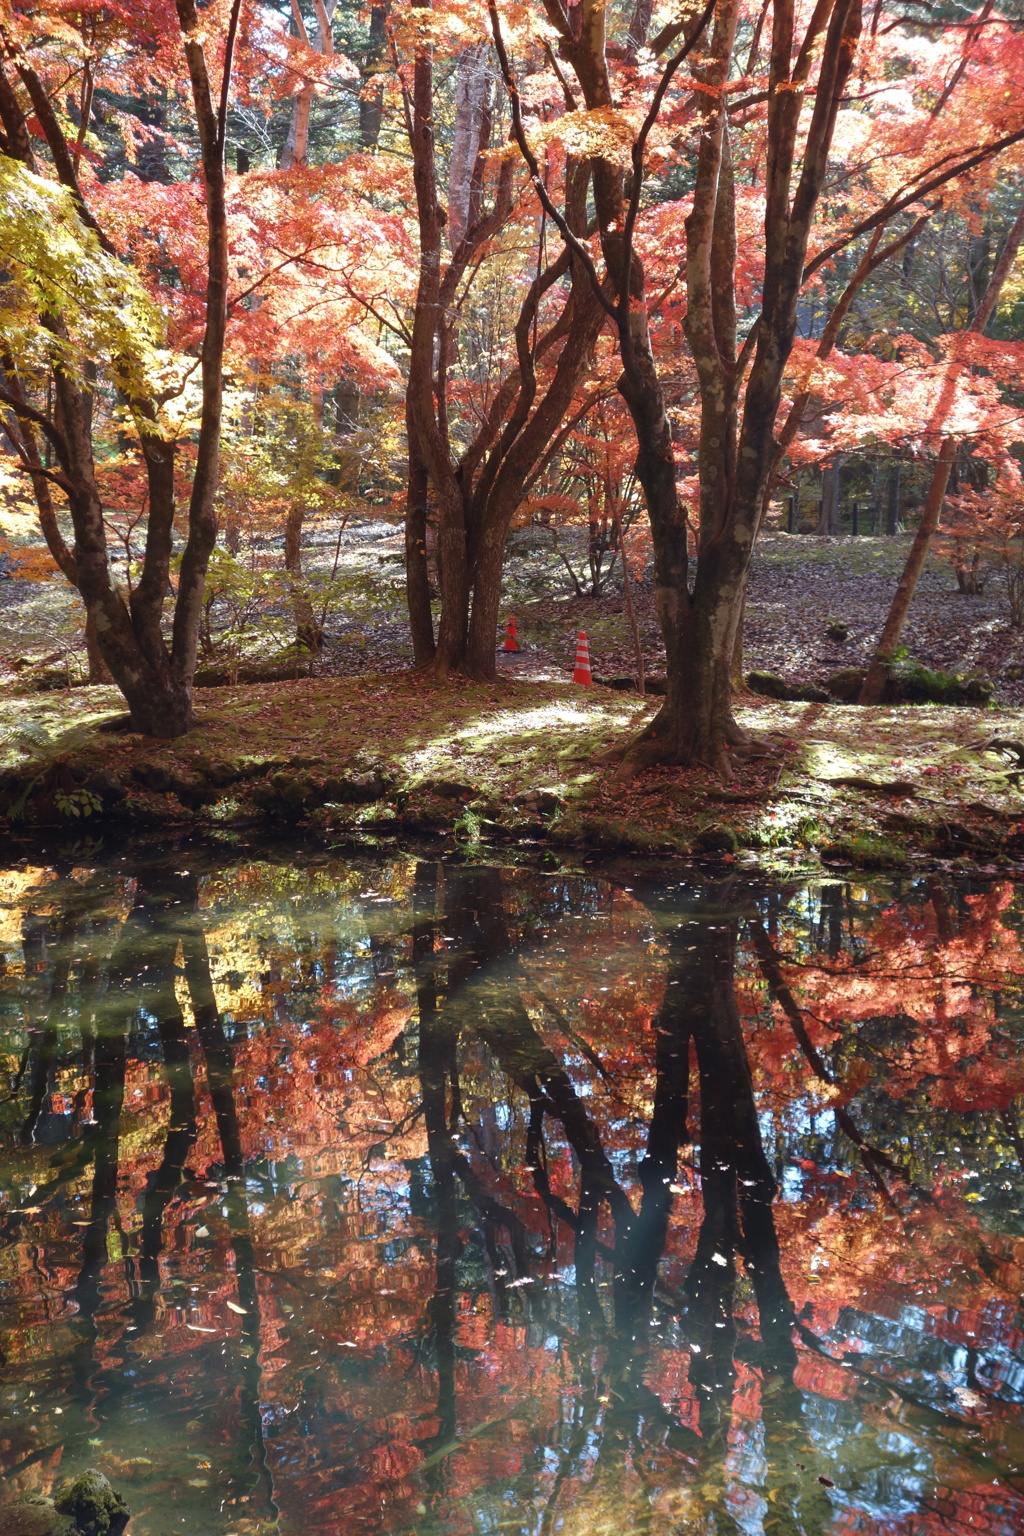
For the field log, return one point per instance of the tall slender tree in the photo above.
(873, 689)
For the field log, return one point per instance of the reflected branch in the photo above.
(873, 1159)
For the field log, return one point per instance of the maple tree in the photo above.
(527, 404)
(511, 215)
(132, 298)
(155, 679)
(737, 424)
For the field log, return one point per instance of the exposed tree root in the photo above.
(657, 745)
(441, 670)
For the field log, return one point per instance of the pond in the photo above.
(395, 1196)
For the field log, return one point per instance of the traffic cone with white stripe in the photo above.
(581, 671)
(511, 638)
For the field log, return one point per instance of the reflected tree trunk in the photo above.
(180, 1138)
(142, 976)
(437, 1045)
(737, 1183)
(217, 1052)
(220, 1074)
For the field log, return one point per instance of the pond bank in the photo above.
(362, 761)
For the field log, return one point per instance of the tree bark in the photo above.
(99, 672)
(371, 97)
(308, 634)
(296, 145)
(473, 92)
(892, 502)
(735, 454)
(828, 518)
(417, 578)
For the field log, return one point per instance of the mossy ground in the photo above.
(519, 760)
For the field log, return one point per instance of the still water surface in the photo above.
(382, 1197)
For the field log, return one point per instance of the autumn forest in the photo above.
(511, 768)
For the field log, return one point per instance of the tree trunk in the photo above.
(99, 672)
(828, 520)
(155, 680)
(873, 690)
(308, 634)
(371, 97)
(968, 573)
(735, 454)
(424, 411)
(473, 92)
(695, 723)
(475, 496)
(296, 144)
(892, 504)
(417, 577)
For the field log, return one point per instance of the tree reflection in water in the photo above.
(447, 1198)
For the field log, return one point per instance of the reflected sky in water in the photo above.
(385, 1197)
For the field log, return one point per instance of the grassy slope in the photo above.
(922, 787)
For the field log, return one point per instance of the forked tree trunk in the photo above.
(155, 678)
(735, 453)
(475, 495)
(696, 722)
(296, 145)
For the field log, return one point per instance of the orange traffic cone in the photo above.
(581, 671)
(511, 638)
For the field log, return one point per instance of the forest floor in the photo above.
(798, 585)
(378, 759)
(367, 754)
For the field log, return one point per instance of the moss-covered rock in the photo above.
(289, 794)
(620, 684)
(152, 776)
(424, 811)
(356, 788)
(539, 802)
(847, 684)
(910, 682)
(93, 1505)
(717, 838)
(107, 786)
(865, 852)
(770, 686)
